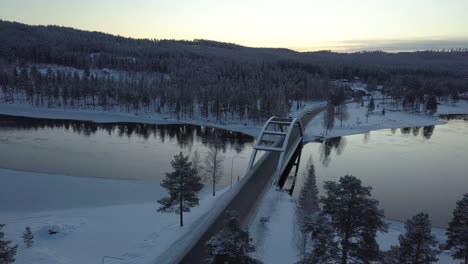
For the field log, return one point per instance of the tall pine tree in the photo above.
(418, 245)
(356, 218)
(7, 252)
(457, 231)
(183, 186)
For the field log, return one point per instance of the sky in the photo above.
(303, 25)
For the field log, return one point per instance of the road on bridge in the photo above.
(246, 201)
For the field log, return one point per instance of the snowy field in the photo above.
(94, 218)
(357, 124)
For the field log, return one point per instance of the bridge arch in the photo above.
(282, 135)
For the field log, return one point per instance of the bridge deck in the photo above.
(246, 200)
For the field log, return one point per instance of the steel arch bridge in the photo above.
(281, 135)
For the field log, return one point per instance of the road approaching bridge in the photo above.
(259, 177)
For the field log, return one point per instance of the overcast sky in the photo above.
(297, 24)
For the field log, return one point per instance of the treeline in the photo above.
(63, 67)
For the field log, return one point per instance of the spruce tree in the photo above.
(28, 237)
(309, 198)
(232, 244)
(457, 231)
(356, 218)
(308, 204)
(418, 245)
(7, 252)
(183, 186)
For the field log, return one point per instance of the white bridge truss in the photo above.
(282, 135)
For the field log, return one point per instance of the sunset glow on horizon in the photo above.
(297, 24)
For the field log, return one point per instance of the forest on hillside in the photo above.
(54, 66)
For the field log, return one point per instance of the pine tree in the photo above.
(457, 231)
(355, 216)
(7, 252)
(213, 166)
(183, 186)
(418, 245)
(431, 105)
(232, 244)
(28, 237)
(325, 248)
(329, 118)
(370, 108)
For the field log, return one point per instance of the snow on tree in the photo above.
(28, 237)
(232, 244)
(454, 97)
(325, 248)
(183, 186)
(431, 104)
(343, 114)
(457, 231)
(7, 252)
(308, 204)
(370, 108)
(309, 200)
(213, 166)
(355, 216)
(329, 118)
(418, 245)
(392, 256)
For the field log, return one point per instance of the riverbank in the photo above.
(251, 128)
(94, 218)
(357, 123)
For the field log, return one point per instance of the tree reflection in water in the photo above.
(183, 135)
(337, 143)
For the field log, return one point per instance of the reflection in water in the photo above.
(184, 135)
(405, 130)
(113, 150)
(366, 137)
(337, 143)
(407, 174)
(428, 131)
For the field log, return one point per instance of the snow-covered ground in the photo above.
(94, 217)
(357, 123)
(276, 240)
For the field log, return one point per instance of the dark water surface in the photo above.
(411, 170)
(113, 150)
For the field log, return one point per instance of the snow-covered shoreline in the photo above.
(357, 123)
(25, 110)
